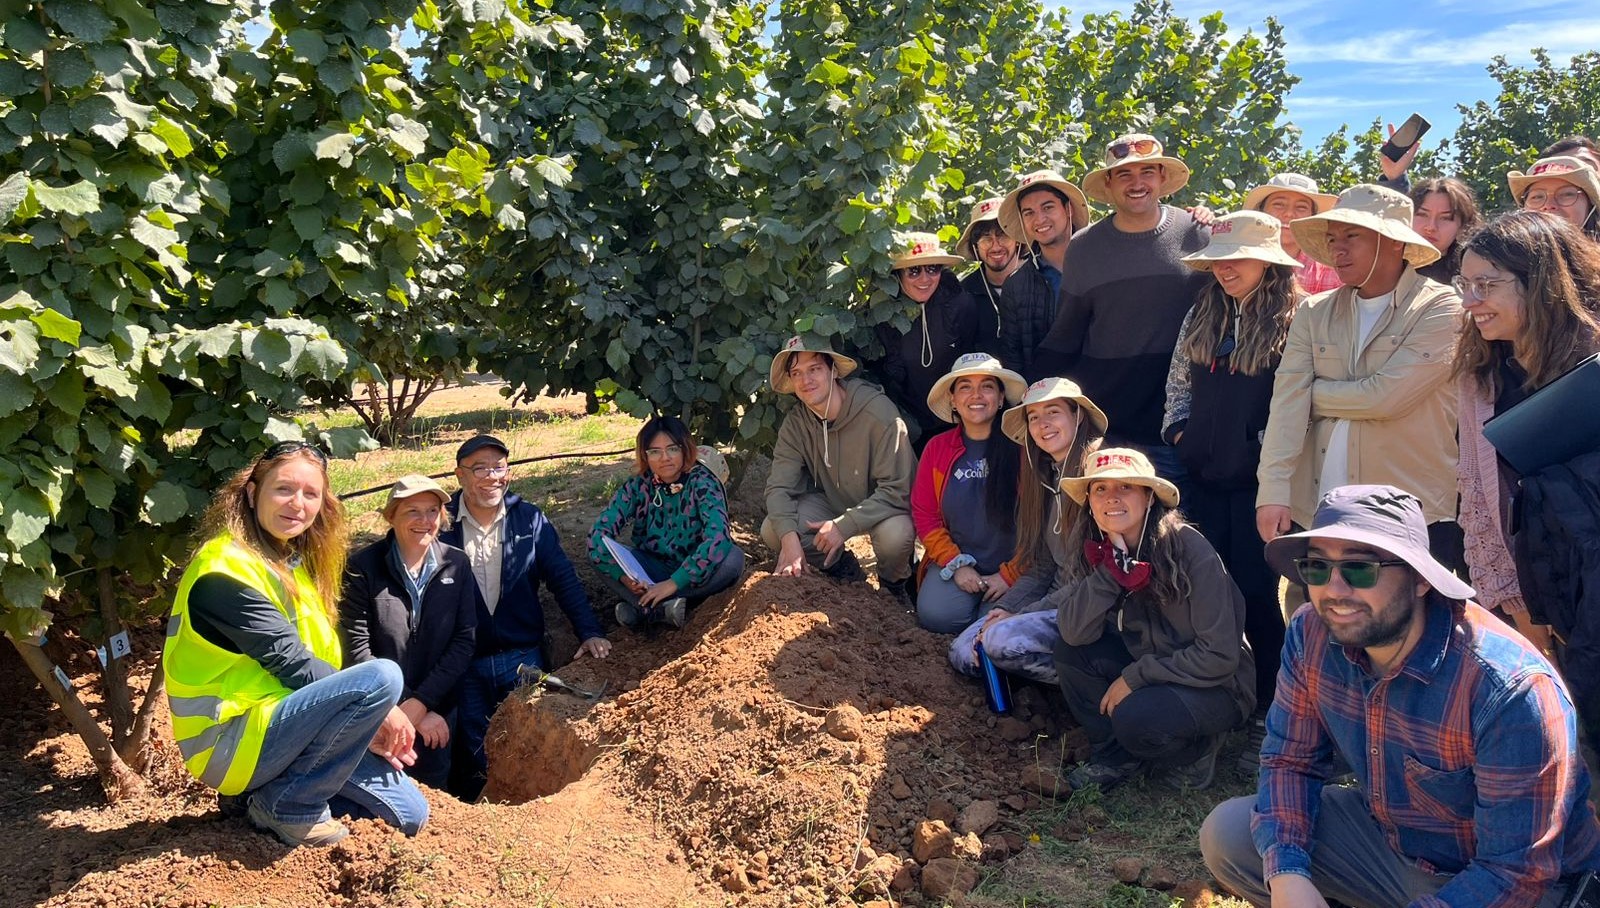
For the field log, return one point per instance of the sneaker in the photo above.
(847, 567)
(903, 591)
(320, 834)
(629, 616)
(1105, 775)
(674, 612)
(1255, 735)
(1199, 775)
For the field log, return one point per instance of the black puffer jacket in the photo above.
(1027, 310)
(952, 324)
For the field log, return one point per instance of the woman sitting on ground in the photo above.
(413, 600)
(1152, 657)
(1056, 425)
(1446, 213)
(964, 499)
(261, 705)
(679, 514)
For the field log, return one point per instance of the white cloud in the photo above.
(1561, 38)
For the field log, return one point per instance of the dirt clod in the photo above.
(978, 817)
(932, 839)
(1127, 870)
(949, 879)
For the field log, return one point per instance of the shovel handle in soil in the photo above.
(536, 676)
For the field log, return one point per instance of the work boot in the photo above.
(1105, 775)
(629, 616)
(1198, 775)
(319, 834)
(673, 612)
(1255, 736)
(846, 568)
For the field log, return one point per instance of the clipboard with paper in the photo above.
(625, 560)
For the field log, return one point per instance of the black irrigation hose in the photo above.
(515, 463)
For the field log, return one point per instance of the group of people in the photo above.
(1109, 444)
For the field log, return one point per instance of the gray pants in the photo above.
(1020, 645)
(943, 607)
(1351, 861)
(893, 538)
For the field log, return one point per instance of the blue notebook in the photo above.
(1555, 424)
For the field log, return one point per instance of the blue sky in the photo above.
(1360, 59)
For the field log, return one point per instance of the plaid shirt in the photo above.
(1467, 754)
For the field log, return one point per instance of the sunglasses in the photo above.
(284, 448)
(1360, 573)
(920, 270)
(1119, 150)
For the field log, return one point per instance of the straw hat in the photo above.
(1014, 422)
(1242, 235)
(411, 485)
(1373, 207)
(1297, 183)
(1011, 206)
(939, 399)
(982, 213)
(778, 373)
(1135, 148)
(1125, 464)
(1562, 167)
(922, 249)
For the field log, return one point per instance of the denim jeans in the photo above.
(943, 607)
(727, 574)
(488, 681)
(314, 760)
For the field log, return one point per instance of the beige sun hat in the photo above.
(1014, 422)
(939, 399)
(921, 249)
(1371, 206)
(411, 485)
(982, 213)
(1561, 167)
(712, 460)
(1242, 235)
(1011, 206)
(778, 373)
(1297, 183)
(1125, 464)
(1135, 148)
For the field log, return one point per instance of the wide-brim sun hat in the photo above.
(1011, 205)
(922, 249)
(1297, 183)
(1122, 464)
(941, 397)
(1560, 167)
(778, 372)
(1135, 148)
(1242, 235)
(1374, 207)
(1383, 517)
(712, 460)
(985, 212)
(1014, 422)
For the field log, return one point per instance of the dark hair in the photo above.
(983, 230)
(1263, 327)
(1045, 187)
(827, 359)
(1567, 144)
(1558, 269)
(1004, 460)
(673, 428)
(1465, 205)
(1038, 487)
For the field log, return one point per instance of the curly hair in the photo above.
(1264, 316)
(1159, 546)
(322, 548)
(1558, 271)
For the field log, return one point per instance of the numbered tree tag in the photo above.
(121, 645)
(61, 676)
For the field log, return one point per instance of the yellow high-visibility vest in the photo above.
(222, 701)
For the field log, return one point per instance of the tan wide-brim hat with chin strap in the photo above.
(922, 249)
(1125, 464)
(1297, 183)
(1135, 148)
(1014, 422)
(940, 398)
(1011, 205)
(778, 373)
(986, 211)
(1561, 167)
(1374, 207)
(1242, 235)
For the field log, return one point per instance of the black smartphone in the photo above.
(1409, 133)
(1585, 892)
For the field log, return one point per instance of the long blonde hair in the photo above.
(322, 548)
(1263, 322)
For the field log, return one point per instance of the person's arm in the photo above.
(893, 365)
(1296, 756)
(1523, 788)
(623, 507)
(927, 514)
(1216, 612)
(224, 609)
(438, 688)
(1411, 374)
(1176, 415)
(1082, 606)
(715, 543)
(1010, 343)
(1289, 418)
(557, 573)
(893, 465)
(355, 613)
(786, 480)
(1058, 353)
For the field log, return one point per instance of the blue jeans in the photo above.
(488, 681)
(314, 760)
(943, 607)
(727, 574)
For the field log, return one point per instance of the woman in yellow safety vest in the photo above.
(260, 705)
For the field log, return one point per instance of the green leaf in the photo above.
(19, 345)
(56, 326)
(308, 45)
(79, 198)
(828, 73)
(99, 488)
(97, 116)
(332, 145)
(13, 192)
(81, 19)
(174, 135)
(410, 135)
(165, 503)
(553, 171)
(26, 516)
(152, 237)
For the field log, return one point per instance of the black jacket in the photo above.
(375, 620)
(952, 322)
(1027, 310)
(1221, 442)
(987, 307)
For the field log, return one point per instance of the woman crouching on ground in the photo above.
(679, 514)
(1152, 657)
(964, 499)
(1055, 424)
(260, 705)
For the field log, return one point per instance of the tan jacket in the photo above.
(1398, 398)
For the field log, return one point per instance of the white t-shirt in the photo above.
(1336, 465)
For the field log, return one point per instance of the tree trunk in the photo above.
(116, 778)
(135, 748)
(114, 674)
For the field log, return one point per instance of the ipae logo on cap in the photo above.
(794, 343)
(1110, 460)
(1552, 167)
(1221, 227)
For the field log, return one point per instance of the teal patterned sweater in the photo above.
(688, 526)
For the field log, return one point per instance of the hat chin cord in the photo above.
(1376, 254)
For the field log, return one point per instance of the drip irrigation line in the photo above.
(514, 463)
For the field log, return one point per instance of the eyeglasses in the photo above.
(1120, 150)
(284, 448)
(668, 451)
(499, 472)
(993, 237)
(920, 270)
(1360, 573)
(1565, 198)
(1478, 288)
